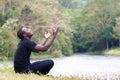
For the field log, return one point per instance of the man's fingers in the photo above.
(56, 31)
(57, 28)
(47, 35)
(50, 31)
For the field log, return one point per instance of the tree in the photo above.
(93, 25)
(116, 29)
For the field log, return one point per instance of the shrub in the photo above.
(8, 39)
(57, 53)
(66, 45)
(4, 41)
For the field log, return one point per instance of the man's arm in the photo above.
(43, 42)
(47, 35)
(46, 46)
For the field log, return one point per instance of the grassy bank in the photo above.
(13, 76)
(8, 74)
(110, 52)
(113, 52)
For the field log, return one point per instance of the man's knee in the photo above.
(51, 62)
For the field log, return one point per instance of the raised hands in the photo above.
(52, 31)
(49, 33)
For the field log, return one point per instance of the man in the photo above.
(26, 46)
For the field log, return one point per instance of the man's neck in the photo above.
(27, 38)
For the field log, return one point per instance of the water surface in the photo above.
(86, 65)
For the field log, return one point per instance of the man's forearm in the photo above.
(44, 41)
(50, 42)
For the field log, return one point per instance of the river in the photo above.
(85, 65)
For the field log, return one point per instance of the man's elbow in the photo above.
(35, 50)
(45, 48)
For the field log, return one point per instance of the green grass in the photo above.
(7, 73)
(113, 52)
(9, 76)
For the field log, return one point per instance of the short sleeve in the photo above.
(30, 44)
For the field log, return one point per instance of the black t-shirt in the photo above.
(22, 54)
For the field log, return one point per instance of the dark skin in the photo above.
(45, 44)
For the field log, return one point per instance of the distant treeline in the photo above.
(96, 24)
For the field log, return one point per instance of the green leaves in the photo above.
(6, 35)
(116, 28)
(9, 22)
(65, 44)
(4, 41)
(93, 26)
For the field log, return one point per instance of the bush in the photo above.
(57, 53)
(4, 41)
(66, 45)
(7, 37)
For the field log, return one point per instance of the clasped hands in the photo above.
(52, 31)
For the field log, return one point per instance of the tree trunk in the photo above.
(112, 44)
(119, 42)
(107, 45)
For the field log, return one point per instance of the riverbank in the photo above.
(113, 52)
(110, 52)
(8, 74)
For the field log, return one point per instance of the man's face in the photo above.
(27, 32)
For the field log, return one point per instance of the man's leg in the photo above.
(42, 66)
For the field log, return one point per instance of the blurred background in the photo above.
(86, 26)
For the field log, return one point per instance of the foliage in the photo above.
(112, 52)
(66, 45)
(116, 28)
(93, 26)
(4, 41)
(57, 53)
(38, 15)
(1, 19)
(7, 36)
(85, 25)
